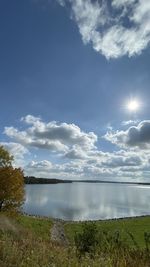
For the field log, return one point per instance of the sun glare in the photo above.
(133, 105)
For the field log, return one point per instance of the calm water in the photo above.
(87, 201)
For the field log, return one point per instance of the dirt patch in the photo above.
(58, 233)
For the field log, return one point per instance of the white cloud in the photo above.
(141, 12)
(122, 3)
(135, 136)
(118, 165)
(61, 2)
(53, 136)
(76, 153)
(120, 161)
(80, 158)
(105, 27)
(85, 170)
(130, 122)
(47, 169)
(17, 150)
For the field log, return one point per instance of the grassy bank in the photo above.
(137, 226)
(25, 242)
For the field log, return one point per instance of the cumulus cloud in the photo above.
(116, 158)
(130, 122)
(79, 157)
(48, 169)
(17, 150)
(115, 29)
(53, 136)
(76, 153)
(134, 136)
(118, 165)
(119, 161)
(80, 169)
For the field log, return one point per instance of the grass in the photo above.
(137, 226)
(38, 226)
(25, 242)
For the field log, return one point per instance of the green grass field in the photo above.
(41, 227)
(25, 242)
(38, 226)
(137, 226)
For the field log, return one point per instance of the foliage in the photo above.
(137, 226)
(147, 241)
(5, 158)
(90, 240)
(111, 245)
(87, 240)
(11, 183)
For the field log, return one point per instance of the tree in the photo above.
(5, 158)
(11, 183)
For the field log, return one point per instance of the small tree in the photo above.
(11, 183)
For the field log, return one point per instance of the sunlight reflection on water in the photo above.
(87, 201)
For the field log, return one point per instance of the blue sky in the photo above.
(69, 71)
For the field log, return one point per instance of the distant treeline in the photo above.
(34, 180)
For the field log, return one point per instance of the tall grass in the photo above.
(112, 246)
(23, 246)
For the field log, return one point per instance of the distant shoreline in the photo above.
(111, 182)
(35, 180)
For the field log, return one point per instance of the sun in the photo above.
(133, 105)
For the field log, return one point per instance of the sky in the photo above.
(74, 88)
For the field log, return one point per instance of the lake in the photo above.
(87, 201)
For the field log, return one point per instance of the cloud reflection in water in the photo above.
(87, 201)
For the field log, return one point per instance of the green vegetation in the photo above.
(25, 242)
(111, 245)
(87, 241)
(38, 226)
(136, 226)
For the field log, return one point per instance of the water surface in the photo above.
(87, 201)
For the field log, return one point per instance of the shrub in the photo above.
(87, 240)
